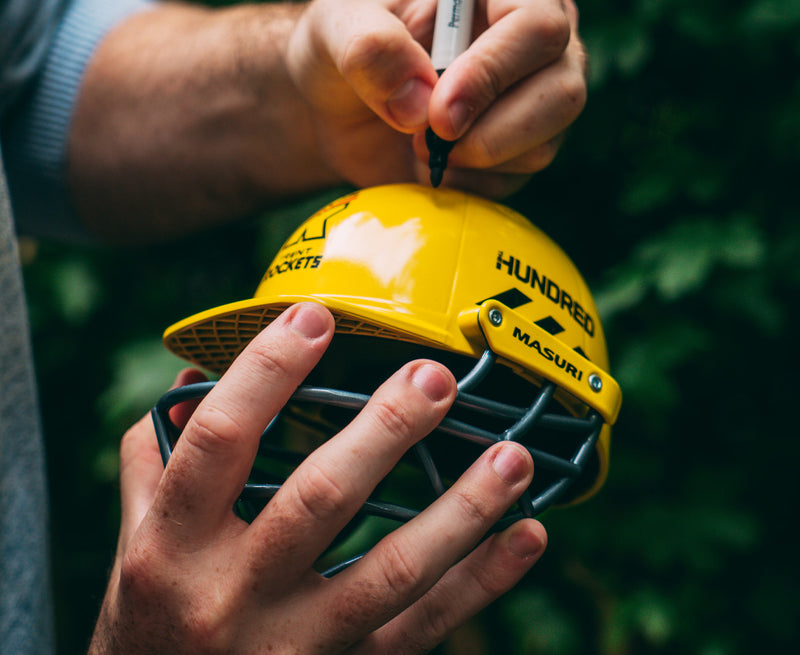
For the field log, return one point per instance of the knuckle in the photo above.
(213, 430)
(471, 508)
(538, 158)
(159, 588)
(133, 573)
(489, 582)
(169, 596)
(367, 51)
(264, 357)
(493, 80)
(401, 576)
(318, 493)
(573, 94)
(488, 81)
(138, 576)
(206, 631)
(484, 151)
(553, 31)
(433, 627)
(393, 419)
(360, 50)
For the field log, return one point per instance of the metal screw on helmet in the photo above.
(496, 317)
(595, 382)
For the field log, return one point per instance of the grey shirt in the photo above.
(25, 621)
(44, 48)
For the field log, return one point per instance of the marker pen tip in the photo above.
(439, 150)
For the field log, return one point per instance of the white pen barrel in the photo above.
(452, 31)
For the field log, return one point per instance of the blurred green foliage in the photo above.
(675, 195)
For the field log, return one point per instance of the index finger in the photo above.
(521, 38)
(213, 457)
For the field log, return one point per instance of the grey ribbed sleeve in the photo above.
(35, 132)
(43, 51)
(25, 605)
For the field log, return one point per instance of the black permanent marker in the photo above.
(451, 35)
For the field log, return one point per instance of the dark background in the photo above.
(676, 195)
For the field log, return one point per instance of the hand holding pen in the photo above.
(505, 97)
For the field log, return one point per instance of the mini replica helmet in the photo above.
(412, 272)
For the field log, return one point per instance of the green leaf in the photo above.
(143, 370)
(77, 292)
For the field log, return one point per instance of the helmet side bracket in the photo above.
(525, 345)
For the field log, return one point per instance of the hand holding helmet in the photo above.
(410, 272)
(398, 277)
(190, 577)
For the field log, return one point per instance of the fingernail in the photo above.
(309, 321)
(432, 381)
(459, 113)
(408, 105)
(525, 544)
(510, 464)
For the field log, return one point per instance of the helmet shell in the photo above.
(428, 266)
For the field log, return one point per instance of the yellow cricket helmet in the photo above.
(410, 271)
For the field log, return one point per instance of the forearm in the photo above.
(187, 117)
